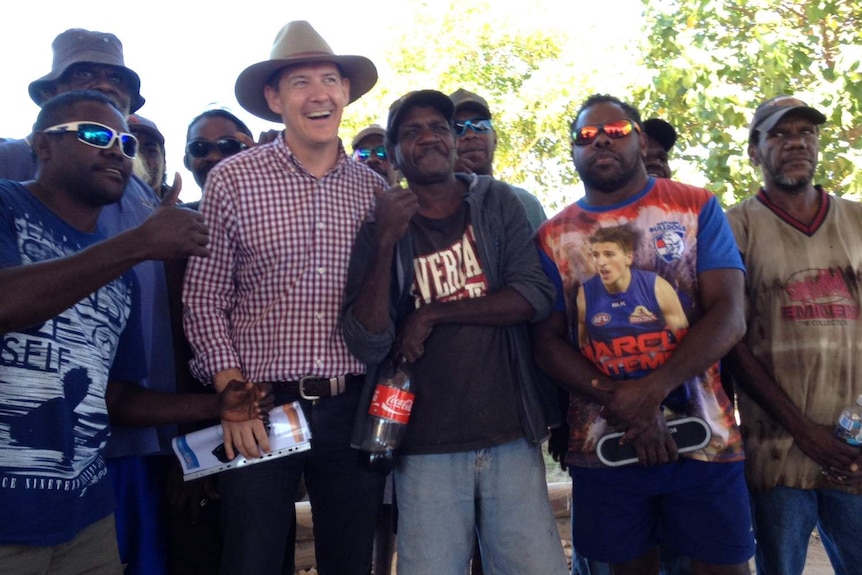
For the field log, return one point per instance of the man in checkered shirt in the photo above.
(265, 307)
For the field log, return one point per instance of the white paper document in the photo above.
(202, 452)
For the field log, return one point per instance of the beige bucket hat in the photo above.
(298, 43)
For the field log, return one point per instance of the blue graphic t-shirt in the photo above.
(53, 377)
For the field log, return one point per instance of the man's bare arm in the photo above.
(393, 210)
(32, 294)
(816, 440)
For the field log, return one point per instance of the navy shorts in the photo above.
(698, 509)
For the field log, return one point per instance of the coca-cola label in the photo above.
(391, 403)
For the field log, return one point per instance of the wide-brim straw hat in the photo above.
(77, 46)
(298, 43)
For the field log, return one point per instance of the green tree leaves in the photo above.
(703, 65)
(713, 62)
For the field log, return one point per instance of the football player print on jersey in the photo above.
(629, 320)
(451, 273)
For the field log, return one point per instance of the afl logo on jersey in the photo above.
(670, 245)
(601, 319)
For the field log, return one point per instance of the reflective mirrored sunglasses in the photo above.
(365, 153)
(98, 136)
(225, 147)
(585, 135)
(478, 125)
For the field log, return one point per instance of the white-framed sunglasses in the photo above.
(98, 135)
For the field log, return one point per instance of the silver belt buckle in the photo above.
(302, 393)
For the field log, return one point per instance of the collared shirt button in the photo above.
(321, 270)
(320, 225)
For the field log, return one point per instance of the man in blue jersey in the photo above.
(695, 503)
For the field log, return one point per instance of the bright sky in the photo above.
(189, 54)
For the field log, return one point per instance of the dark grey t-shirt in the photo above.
(465, 389)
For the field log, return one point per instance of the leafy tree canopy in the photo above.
(703, 65)
(710, 63)
(533, 63)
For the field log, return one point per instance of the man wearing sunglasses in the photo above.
(695, 503)
(211, 137)
(70, 317)
(477, 142)
(368, 149)
(84, 59)
(195, 541)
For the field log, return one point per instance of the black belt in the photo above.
(311, 387)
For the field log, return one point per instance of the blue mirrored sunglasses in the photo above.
(98, 136)
(365, 153)
(478, 125)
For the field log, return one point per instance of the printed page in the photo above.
(202, 452)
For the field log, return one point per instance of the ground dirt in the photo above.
(817, 562)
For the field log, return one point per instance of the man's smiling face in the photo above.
(310, 99)
(425, 151)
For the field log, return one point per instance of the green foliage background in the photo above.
(703, 65)
(710, 63)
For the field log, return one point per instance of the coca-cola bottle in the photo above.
(388, 415)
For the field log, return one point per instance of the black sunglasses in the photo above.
(225, 147)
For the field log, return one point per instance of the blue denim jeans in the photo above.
(784, 519)
(257, 501)
(498, 494)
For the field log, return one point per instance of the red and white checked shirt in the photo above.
(268, 299)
